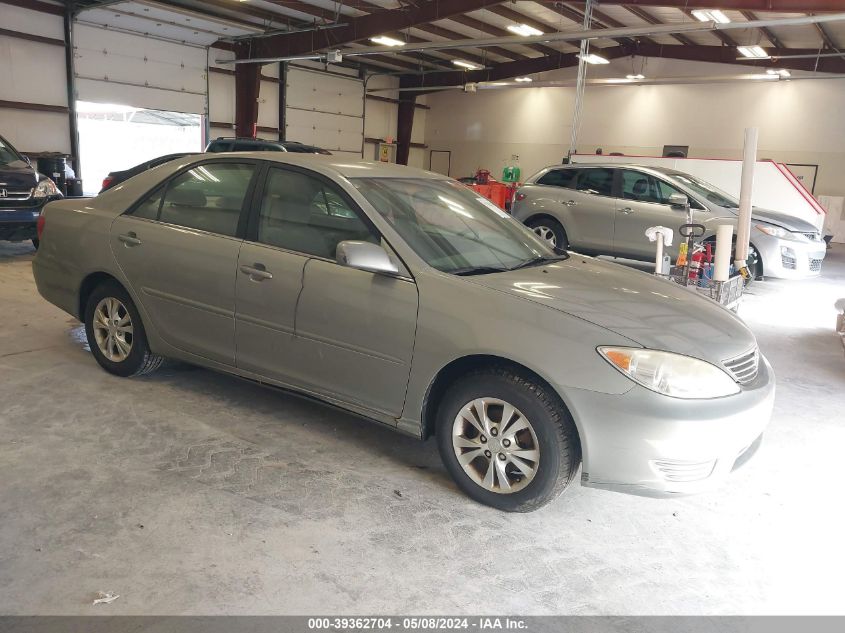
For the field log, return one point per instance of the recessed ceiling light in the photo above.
(465, 64)
(780, 72)
(711, 15)
(524, 30)
(635, 77)
(754, 52)
(523, 79)
(386, 41)
(592, 58)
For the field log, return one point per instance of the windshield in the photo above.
(451, 227)
(713, 194)
(7, 153)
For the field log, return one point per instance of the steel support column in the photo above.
(247, 89)
(70, 74)
(405, 126)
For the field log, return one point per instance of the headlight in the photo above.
(671, 374)
(776, 231)
(46, 189)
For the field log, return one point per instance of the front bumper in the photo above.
(648, 444)
(19, 224)
(788, 259)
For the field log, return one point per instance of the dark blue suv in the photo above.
(23, 193)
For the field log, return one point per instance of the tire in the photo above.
(551, 436)
(36, 242)
(551, 231)
(128, 351)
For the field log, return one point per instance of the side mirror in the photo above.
(678, 201)
(365, 256)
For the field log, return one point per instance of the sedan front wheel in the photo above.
(506, 440)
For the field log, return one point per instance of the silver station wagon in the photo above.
(605, 210)
(404, 297)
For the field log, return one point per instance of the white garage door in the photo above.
(326, 110)
(117, 67)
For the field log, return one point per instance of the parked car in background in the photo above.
(261, 145)
(605, 210)
(405, 297)
(116, 177)
(23, 193)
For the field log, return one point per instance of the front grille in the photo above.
(14, 194)
(744, 368)
(788, 262)
(681, 471)
(815, 265)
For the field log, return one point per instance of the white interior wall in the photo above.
(799, 121)
(382, 118)
(33, 72)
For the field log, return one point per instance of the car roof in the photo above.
(347, 167)
(666, 171)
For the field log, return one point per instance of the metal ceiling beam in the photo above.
(491, 29)
(780, 6)
(519, 18)
(826, 37)
(751, 16)
(723, 55)
(726, 39)
(650, 19)
(454, 35)
(504, 71)
(363, 27)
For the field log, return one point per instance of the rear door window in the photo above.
(559, 178)
(208, 197)
(598, 181)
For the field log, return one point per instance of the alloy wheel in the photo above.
(113, 329)
(495, 445)
(546, 234)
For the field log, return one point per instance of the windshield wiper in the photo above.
(478, 270)
(539, 261)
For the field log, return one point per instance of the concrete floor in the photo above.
(193, 492)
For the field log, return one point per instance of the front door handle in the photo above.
(256, 272)
(130, 239)
(626, 210)
(570, 203)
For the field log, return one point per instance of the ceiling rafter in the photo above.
(360, 28)
(779, 6)
(726, 39)
(492, 29)
(600, 19)
(642, 14)
(519, 18)
(774, 39)
(826, 36)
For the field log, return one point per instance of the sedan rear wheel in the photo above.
(115, 333)
(507, 440)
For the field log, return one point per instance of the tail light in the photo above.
(39, 224)
(519, 197)
(107, 181)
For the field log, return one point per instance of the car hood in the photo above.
(788, 222)
(17, 175)
(652, 312)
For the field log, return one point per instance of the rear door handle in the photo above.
(256, 272)
(130, 239)
(626, 210)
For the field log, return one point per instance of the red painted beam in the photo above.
(291, 44)
(405, 126)
(247, 88)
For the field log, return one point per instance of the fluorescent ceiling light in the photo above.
(711, 15)
(592, 58)
(386, 41)
(754, 52)
(524, 30)
(465, 64)
(523, 79)
(635, 77)
(780, 72)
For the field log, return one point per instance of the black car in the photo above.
(23, 193)
(117, 177)
(260, 145)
